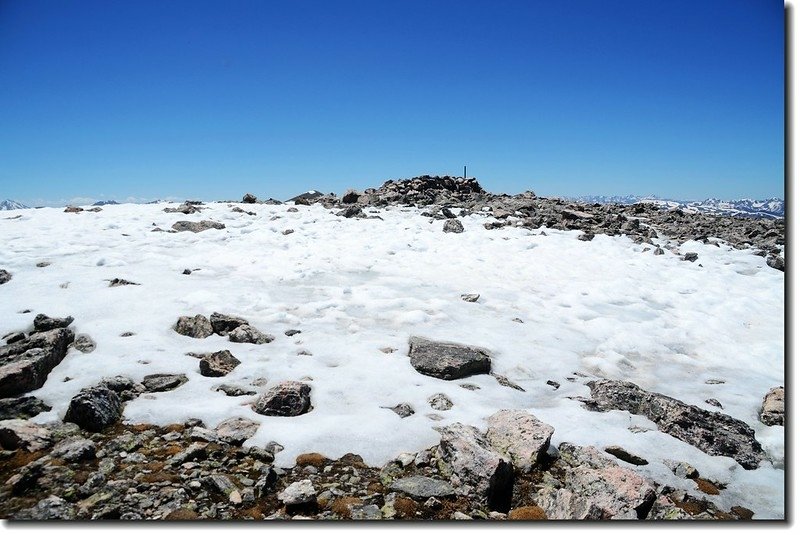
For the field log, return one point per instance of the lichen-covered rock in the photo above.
(423, 487)
(94, 408)
(218, 364)
(714, 433)
(75, 449)
(521, 436)
(236, 430)
(196, 226)
(24, 365)
(50, 508)
(447, 360)
(595, 488)
(247, 334)
(197, 326)
(289, 398)
(23, 434)
(772, 408)
(477, 467)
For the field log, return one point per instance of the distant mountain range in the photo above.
(773, 208)
(104, 203)
(8, 204)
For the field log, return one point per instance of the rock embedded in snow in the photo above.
(247, 334)
(22, 408)
(519, 435)
(121, 282)
(350, 197)
(197, 226)
(94, 408)
(25, 365)
(776, 262)
(351, 211)
(15, 434)
(125, 387)
(297, 493)
(477, 466)
(714, 433)
(249, 198)
(161, 382)
(218, 364)
(289, 398)
(470, 298)
(594, 488)
(772, 408)
(236, 430)
(84, 343)
(403, 410)
(42, 323)
(690, 257)
(197, 326)
(624, 455)
(453, 226)
(447, 360)
(234, 390)
(222, 324)
(5, 276)
(184, 208)
(440, 402)
(73, 209)
(586, 236)
(422, 487)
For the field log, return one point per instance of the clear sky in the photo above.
(194, 99)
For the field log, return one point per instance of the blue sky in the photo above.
(193, 99)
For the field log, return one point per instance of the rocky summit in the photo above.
(421, 350)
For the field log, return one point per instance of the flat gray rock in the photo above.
(447, 360)
(423, 487)
(25, 365)
(161, 382)
(196, 226)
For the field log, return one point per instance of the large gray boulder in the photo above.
(94, 408)
(289, 398)
(447, 360)
(594, 488)
(196, 226)
(218, 364)
(521, 436)
(197, 326)
(24, 365)
(714, 433)
(236, 430)
(476, 467)
(772, 408)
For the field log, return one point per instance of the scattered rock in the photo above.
(22, 408)
(595, 488)
(772, 408)
(351, 211)
(84, 343)
(5, 276)
(196, 226)
(42, 323)
(234, 390)
(776, 262)
(288, 231)
(470, 298)
(23, 434)
(714, 433)
(198, 326)
(519, 435)
(236, 430)
(440, 402)
(25, 365)
(555, 384)
(682, 470)
(453, 225)
(289, 398)
(218, 364)
(505, 381)
(292, 332)
(299, 492)
(94, 408)
(624, 455)
(714, 403)
(350, 197)
(161, 382)
(689, 257)
(50, 508)
(403, 410)
(447, 360)
(247, 334)
(75, 449)
(73, 209)
(121, 282)
(478, 467)
(586, 236)
(222, 324)
(249, 198)
(14, 337)
(422, 487)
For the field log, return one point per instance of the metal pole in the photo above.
(465, 171)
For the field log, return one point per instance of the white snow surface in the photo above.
(599, 309)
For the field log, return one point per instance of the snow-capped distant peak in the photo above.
(773, 208)
(8, 204)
